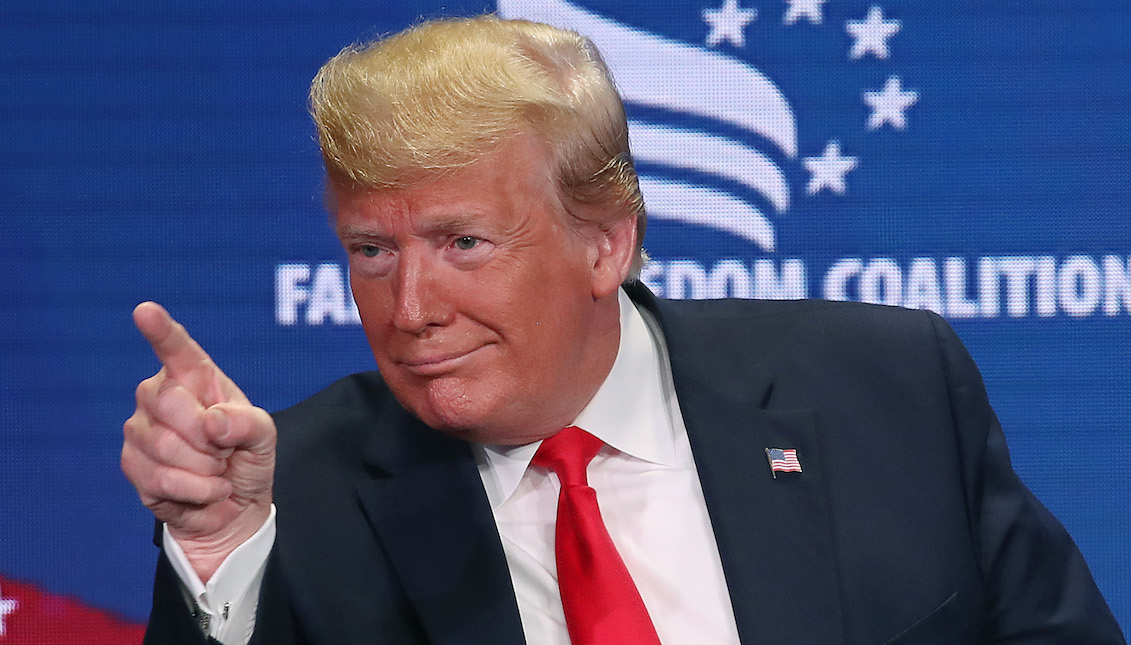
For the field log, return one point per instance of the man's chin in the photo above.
(443, 404)
(477, 425)
(478, 415)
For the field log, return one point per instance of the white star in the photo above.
(889, 104)
(871, 34)
(7, 606)
(828, 170)
(727, 23)
(809, 9)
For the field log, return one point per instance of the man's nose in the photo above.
(418, 296)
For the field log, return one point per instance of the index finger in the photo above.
(176, 350)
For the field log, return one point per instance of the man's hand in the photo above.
(200, 455)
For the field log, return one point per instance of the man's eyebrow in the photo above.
(448, 223)
(438, 225)
(355, 232)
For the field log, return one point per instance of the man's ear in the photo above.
(614, 247)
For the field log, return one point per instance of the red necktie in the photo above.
(602, 605)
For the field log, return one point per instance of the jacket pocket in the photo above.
(944, 625)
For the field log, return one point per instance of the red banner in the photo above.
(32, 616)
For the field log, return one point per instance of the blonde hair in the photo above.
(443, 94)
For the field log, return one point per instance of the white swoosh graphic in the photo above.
(679, 148)
(747, 100)
(684, 202)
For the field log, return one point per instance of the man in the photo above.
(481, 185)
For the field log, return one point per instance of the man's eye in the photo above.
(370, 251)
(466, 243)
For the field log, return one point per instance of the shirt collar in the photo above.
(629, 411)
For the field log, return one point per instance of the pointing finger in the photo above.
(184, 360)
(176, 350)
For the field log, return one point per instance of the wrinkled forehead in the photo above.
(514, 183)
(524, 163)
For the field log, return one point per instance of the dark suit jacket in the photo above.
(907, 525)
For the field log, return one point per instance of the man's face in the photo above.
(492, 317)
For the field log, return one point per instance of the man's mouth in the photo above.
(436, 364)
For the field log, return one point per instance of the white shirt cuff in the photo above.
(231, 596)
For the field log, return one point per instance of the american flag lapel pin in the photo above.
(782, 460)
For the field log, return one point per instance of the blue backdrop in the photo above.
(963, 156)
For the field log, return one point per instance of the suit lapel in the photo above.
(428, 508)
(774, 536)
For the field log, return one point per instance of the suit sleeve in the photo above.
(1038, 587)
(170, 621)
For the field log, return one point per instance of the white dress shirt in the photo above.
(650, 498)
(647, 487)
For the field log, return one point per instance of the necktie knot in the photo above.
(568, 454)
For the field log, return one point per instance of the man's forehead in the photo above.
(517, 176)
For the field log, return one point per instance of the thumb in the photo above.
(240, 426)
